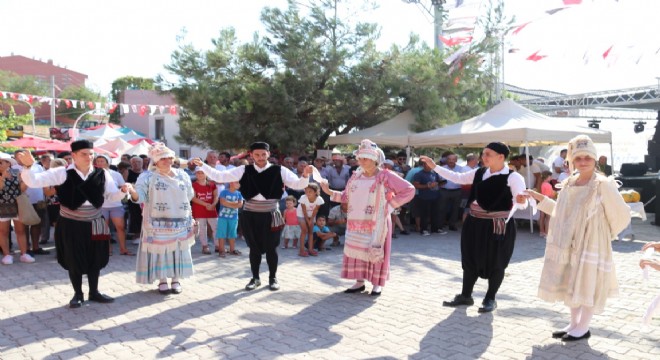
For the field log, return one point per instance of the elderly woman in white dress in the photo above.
(167, 223)
(589, 213)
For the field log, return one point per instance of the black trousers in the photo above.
(261, 239)
(428, 210)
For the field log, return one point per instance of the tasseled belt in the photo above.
(88, 213)
(498, 217)
(267, 206)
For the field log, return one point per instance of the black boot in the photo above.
(76, 301)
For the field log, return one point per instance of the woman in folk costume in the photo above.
(372, 193)
(167, 224)
(487, 239)
(588, 214)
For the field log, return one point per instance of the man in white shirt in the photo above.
(533, 179)
(450, 196)
(559, 165)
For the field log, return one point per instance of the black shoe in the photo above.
(375, 293)
(558, 334)
(394, 236)
(273, 285)
(458, 301)
(453, 228)
(356, 290)
(76, 301)
(42, 242)
(100, 298)
(39, 251)
(253, 284)
(576, 338)
(404, 232)
(488, 305)
(176, 289)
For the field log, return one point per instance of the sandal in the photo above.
(221, 253)
(126, 252)
(235, 252)
(314, 253)
(176, 287)
(303, 254)
(205, 250)
(163, 288)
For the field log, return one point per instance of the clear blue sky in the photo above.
(107, 40)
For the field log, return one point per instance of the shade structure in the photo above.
(393, 132)
(510, 123)
(101, 132)
(117, 145)
(141, 148)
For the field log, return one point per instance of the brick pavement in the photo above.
(310, 317)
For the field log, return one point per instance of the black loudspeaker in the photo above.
(633, 169)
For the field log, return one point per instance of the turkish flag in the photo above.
(113, 107)
(455, 40)
(607, 52)
(172, 110)
(572, 2)
(90, 105)
(68, 103)
(536, 57)
(519, 28)
(143, 110)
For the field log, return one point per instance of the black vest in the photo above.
(267, 183)
(492, 194)
(74, 191)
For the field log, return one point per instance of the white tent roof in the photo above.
(103, 132)
(138, 149)
(510, 123)
(117, 145)
(131, 135)
(393, 132)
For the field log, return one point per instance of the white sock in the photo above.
(358, 284)
(586, 313)
(575, 318)
(377, 289)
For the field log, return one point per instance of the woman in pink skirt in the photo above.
(372, 193)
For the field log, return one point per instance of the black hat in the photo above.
(81, 144)
(259, 145)
(499, 147)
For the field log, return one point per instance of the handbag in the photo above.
(26, 213)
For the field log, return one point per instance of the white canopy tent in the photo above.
(512, 124)
(393, 132)
(139, 149)
(102, 132)
(509, 123)
(117, 145)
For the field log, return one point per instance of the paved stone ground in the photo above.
(310, 317)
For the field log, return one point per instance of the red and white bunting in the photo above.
(109, 107)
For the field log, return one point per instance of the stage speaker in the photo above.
(633, 169)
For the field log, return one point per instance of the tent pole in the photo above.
(612, 155)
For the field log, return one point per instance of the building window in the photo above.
(184, 153)
(160, 129)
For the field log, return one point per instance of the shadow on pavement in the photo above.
(561, 351)
(457, 334)
(305, 331)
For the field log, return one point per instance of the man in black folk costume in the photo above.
(487, 240)
(82, 238)
(262, 186)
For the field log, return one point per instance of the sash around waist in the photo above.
(83, 213)
(264, 206)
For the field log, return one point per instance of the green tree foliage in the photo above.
(80, 93)
(13, 82)
(313, 75)
(9, 119)
(128, 83)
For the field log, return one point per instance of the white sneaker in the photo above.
(26, 258)
(425, 233)
(442, 232)
(8, 260)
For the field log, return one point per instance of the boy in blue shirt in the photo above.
(321, 233)
(230, 201)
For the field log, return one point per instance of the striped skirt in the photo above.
(376, 273)
(153, 266)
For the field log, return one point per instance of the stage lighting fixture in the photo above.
(594, 123)
(639, 126)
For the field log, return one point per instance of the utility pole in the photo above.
(53, 102)
(437, 21)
